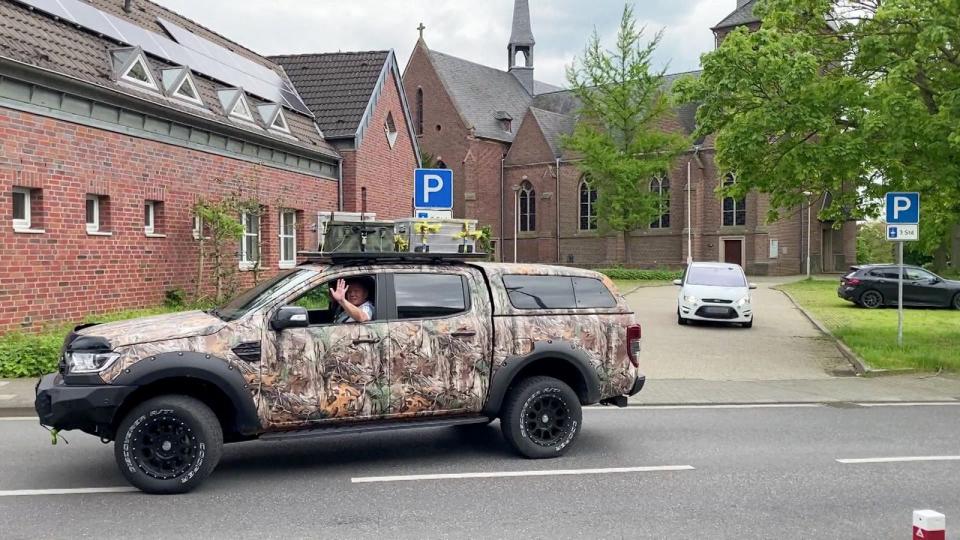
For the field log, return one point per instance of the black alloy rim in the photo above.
(871, 299)
(547, 420)
(165, 447)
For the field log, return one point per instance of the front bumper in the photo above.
(87, 408)
(638, 385)
(705, 311)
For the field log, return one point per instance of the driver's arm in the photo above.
(355, 312)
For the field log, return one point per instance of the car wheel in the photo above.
(956, 301)
(541, 418)
(168, 444)
(871, 299)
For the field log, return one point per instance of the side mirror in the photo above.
(677, 282)
(290, 317)
(753, 286)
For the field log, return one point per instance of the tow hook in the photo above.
(619, 401)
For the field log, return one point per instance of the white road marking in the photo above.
(912, 404)
(76, 491)
(509, 474)
(899, 459)
(714, 406)
(18, 419)
(5, 397)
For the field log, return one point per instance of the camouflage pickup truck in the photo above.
(449, 342)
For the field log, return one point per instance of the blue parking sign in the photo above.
(903, 208)
(433, 189)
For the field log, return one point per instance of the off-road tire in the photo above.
(168, 444)
(527, 404)
(956, 301)
(871, 299)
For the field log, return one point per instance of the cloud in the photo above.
(477, 30)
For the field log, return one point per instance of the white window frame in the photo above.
(390, 129)
(284, 126)
(152, 85)
(150, 217)
(591, 214)
(246, 262)
(95, 226)
(23, 224)
(233, 110)
(188, 81)
(291, 260)
(197, 227)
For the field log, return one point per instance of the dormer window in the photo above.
(506, 121)
(241, 109)
(135, 70)
(273, 118)
(234, 102)
(390, 128)
(507, 125)
(178, 82)
(280, 123)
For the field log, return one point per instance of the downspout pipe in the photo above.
(503, 159)
(557, 203)
(340, 185)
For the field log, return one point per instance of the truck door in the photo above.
(440, 342)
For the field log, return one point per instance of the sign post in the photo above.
(903, 221)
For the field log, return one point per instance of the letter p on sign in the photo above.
(432, 183)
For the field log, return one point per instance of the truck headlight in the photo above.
(89, 362)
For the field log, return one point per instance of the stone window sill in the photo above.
(18, 230)
(99, 233)
(250, 267)
(155, 235)
(287, 265)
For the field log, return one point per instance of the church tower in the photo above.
(521, 42)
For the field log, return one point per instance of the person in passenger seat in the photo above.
(352, 295)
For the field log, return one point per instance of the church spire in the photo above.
(521, 42)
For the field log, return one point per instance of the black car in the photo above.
(873, 286)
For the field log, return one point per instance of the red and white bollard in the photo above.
(929, 525)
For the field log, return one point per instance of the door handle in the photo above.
(464, 333)
(358, 341)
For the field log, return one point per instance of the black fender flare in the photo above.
(560, 351)
(202, 367)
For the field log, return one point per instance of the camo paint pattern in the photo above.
(600, 333)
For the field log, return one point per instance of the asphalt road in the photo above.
(782, 345)
(737, 473)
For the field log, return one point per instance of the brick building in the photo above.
(500, 132)
(116, 116)
(360, 105)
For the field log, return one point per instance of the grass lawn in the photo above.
(931, 337)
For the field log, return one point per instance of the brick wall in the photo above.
(386, 172)
(64, 273)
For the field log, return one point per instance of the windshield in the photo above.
(717, 276)
(260, 295)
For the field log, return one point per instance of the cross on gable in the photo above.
(421, 28)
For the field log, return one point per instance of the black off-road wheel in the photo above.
(871, 299)
(541, 417)
(168, 444)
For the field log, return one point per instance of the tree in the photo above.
(872, 244)
(850, 97)
(620, 134)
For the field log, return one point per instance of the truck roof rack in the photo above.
(340, 257)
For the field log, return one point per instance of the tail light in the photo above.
(852, 281)
(633, 344)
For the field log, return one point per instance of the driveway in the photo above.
(782, 345)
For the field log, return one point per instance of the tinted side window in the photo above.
(540, 292)
(592, 293)
(422, 296)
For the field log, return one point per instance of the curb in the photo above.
(860, 365)
(9, 412)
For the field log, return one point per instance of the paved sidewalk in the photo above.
(16, 396)
(901, 388)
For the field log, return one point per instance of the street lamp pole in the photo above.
(689, 229)
(809, 206)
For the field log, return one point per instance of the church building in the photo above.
(500, 131)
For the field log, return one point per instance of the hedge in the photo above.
(634, 274)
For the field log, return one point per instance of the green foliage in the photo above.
(222, 231)
(872, 244)
(619, 135)
(633, 274)
(484, 242)
(868, 105)
(316, 298)
(174, 298)
(929, 335)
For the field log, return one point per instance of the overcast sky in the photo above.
(476, 30)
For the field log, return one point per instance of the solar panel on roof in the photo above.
(191, 50)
